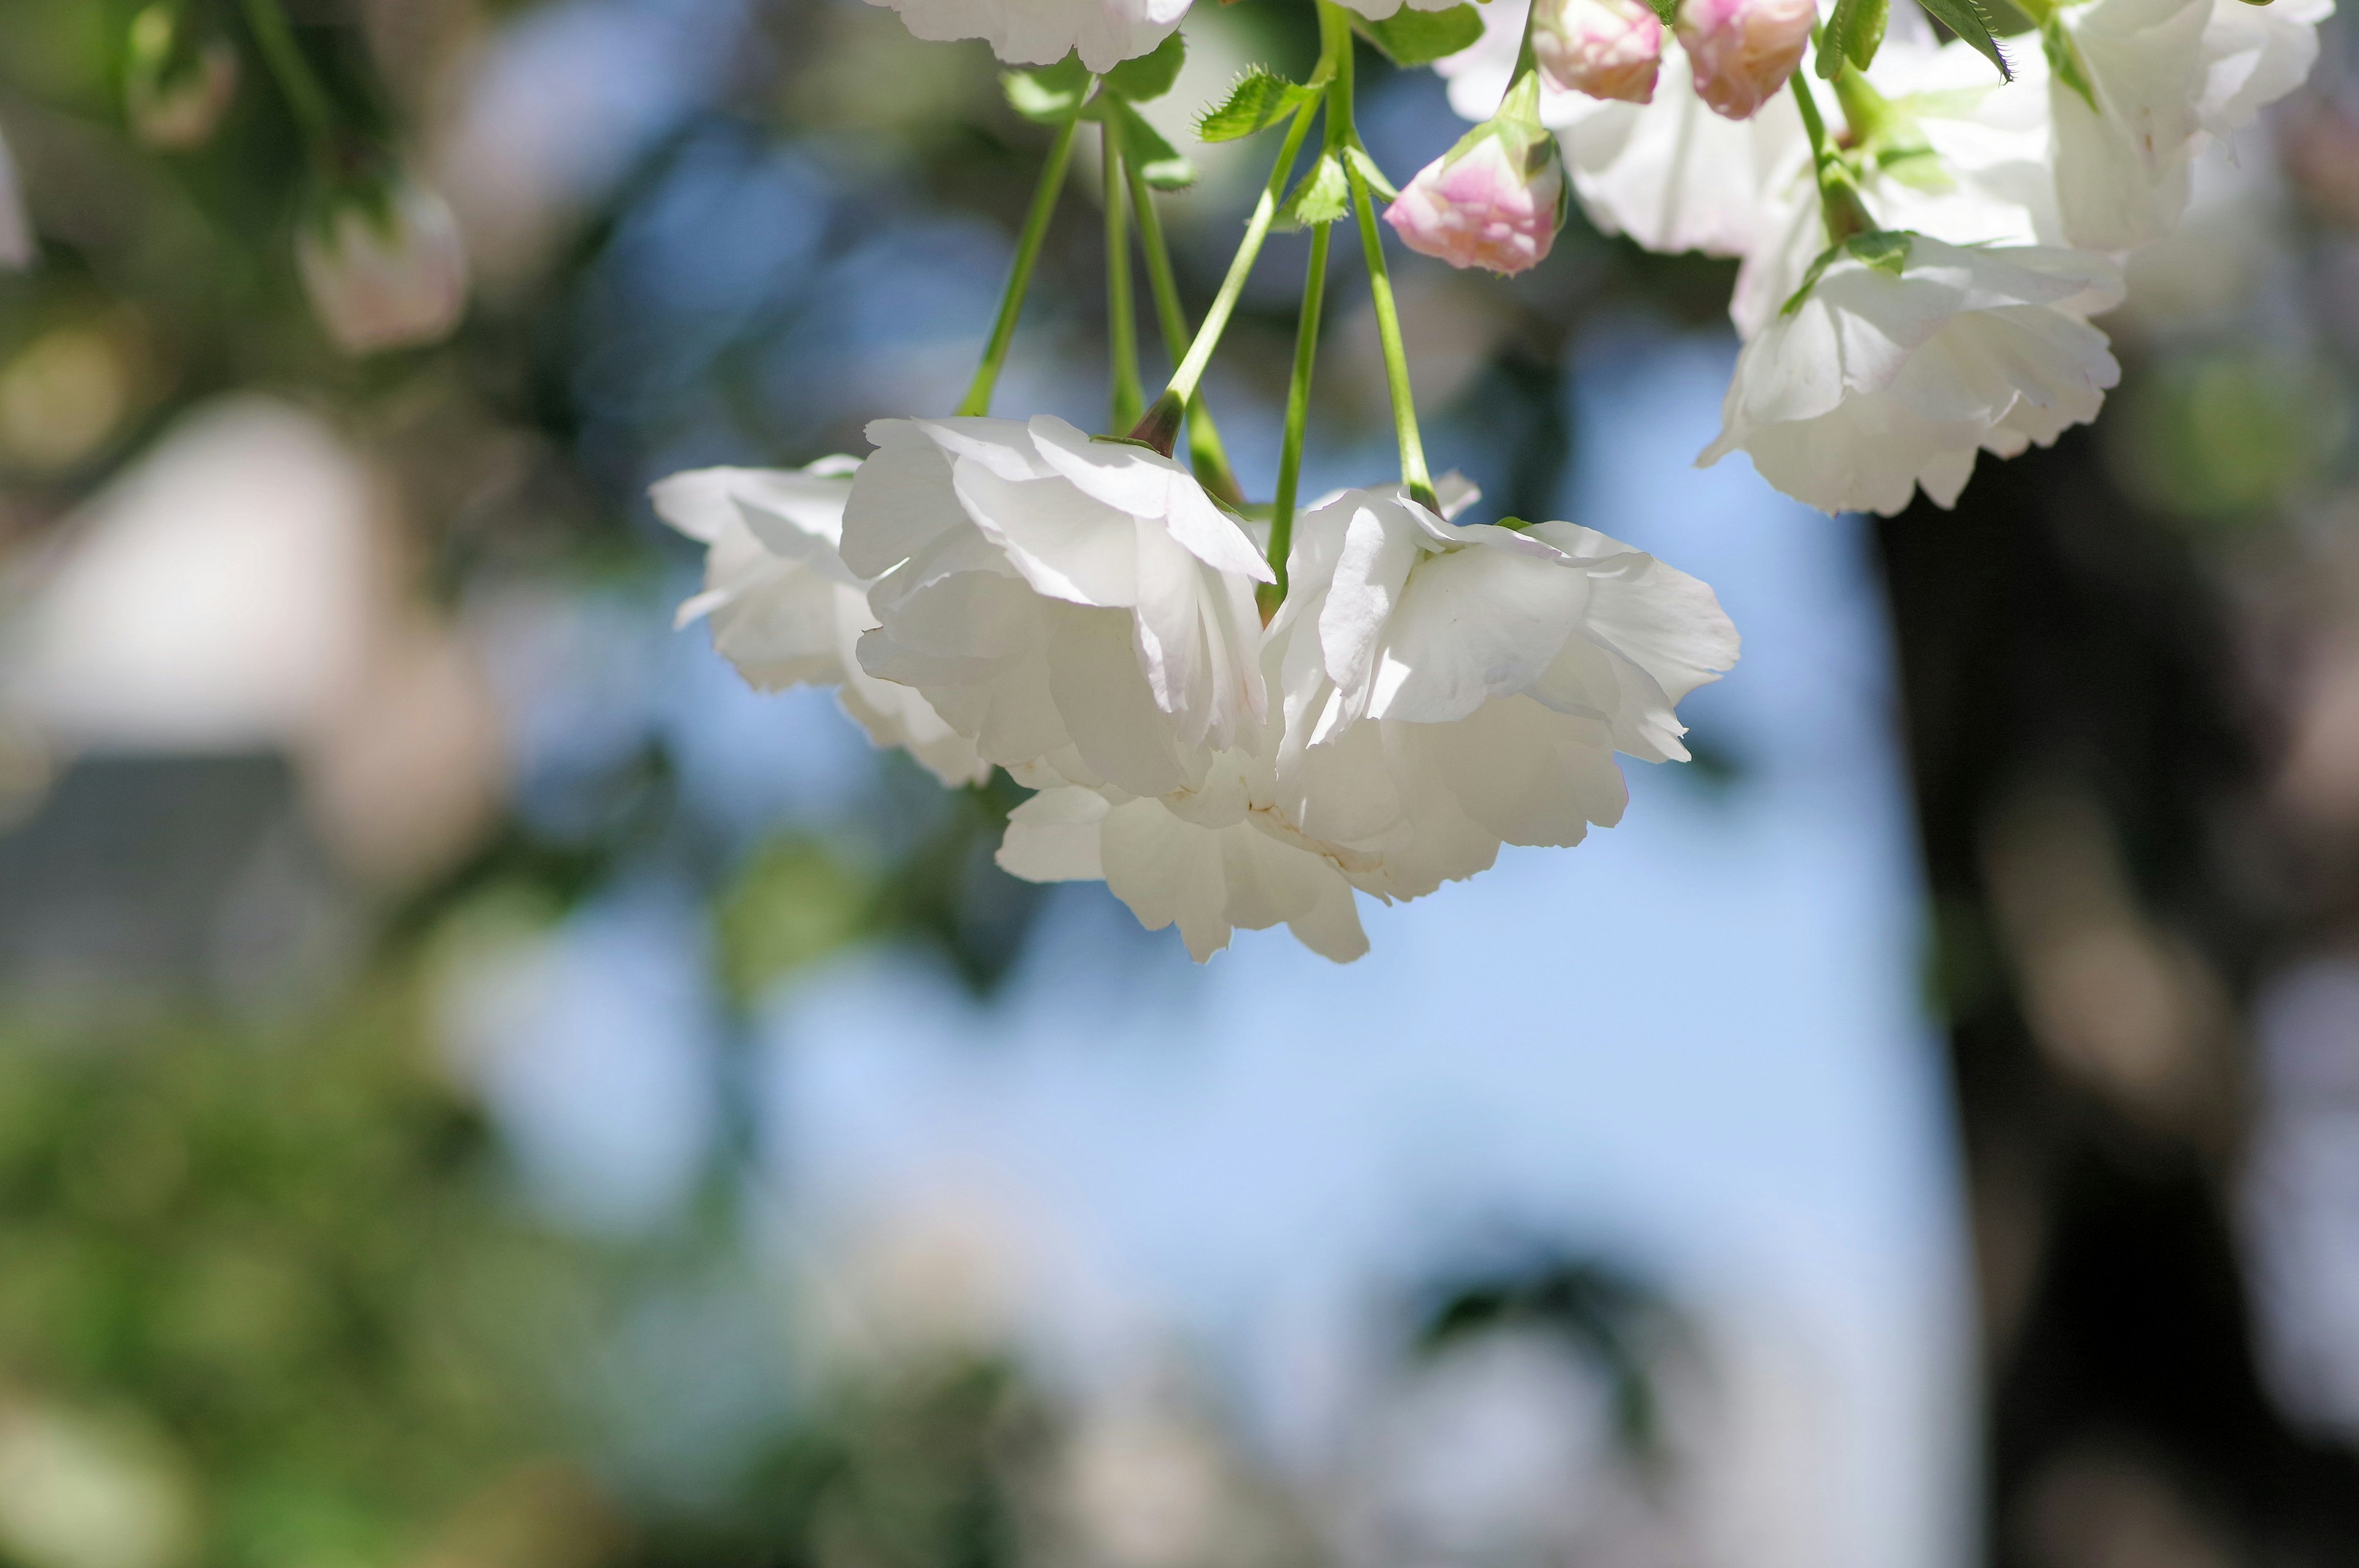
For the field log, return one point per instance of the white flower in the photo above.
(787, 611)
(1670, 174)
(1879, 380)
(16, 247)
(1958, 155)
(385, 274)
(1079, 609)
(2122, 151)
(1170, 869)
(1450, 689)
(2254, 55)
(1041, 32)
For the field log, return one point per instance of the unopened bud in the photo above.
(385, 269)
(1742, 50)
(175, 95)
(1495, 200)
(1607, 48)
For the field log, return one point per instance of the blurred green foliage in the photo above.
(283, 1253)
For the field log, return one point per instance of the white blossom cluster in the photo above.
(1249, 723)
(994, 592)
(2002, 210)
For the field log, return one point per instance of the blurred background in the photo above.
(482, 1088)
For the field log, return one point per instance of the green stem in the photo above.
(1839, 204)
(1206, 455)
(1161, 424)
(1122, 324)
(1028, 251)
(1414, 477)
(1298, 417)
(306, 99)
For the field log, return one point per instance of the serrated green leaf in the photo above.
(2064, 61)
(1420, 37)
(1323, 196)
(1150, 76)
(1853, 34)
(1357, 157)
(1157, 161)
(1971, 22)
(1667, 12)
(1051, 94)
(1260, 99)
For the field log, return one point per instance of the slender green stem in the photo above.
(306, 99)
(1161, 424)
(1206, 455)
(1028, 251)
(1122, 323)
(1839, 204)
(1298, 415)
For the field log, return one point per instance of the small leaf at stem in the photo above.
(1971, 22)
(1260, 99)
(1150, 76)
(1667, 12)
(1853, 34)
(1420, 37)
(1886, 250)
(1051, 94)
(2064, 61)
(1323, 195)
(1357, 156)
(1156, 162)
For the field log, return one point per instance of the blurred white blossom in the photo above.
(386, 272)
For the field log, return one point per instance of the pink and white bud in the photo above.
(1494, 201)
(1607, 48)
(1742, 50)
(385, 274)
(176, 97)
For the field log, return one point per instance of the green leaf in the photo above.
(1051, 94)
(1357, 157)
(1260, 99)
(1420, 37)
(1150, 76)
(1157, 161)
(1971, 22)
(1323, 196)
(1886, 250)
(1667, 12)
(1853, 34)
(2064, 61)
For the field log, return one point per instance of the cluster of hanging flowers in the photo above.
(1242, 716)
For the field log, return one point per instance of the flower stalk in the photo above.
(1206, 455)
(1125, 400)
(977, 400)
(1839, 203)
(307, 99)
(1333, 22)
(1298, 419)
(1160, 426)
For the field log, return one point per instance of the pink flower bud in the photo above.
(1742, 50)
(175, 95)
(1607, 48)
(1493, 200)
(385, 274)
